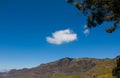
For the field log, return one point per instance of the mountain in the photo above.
(67, 68)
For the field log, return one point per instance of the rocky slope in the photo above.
(67, 68)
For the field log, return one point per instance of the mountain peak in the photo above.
(67, 58)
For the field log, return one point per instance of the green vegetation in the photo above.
(116, 70)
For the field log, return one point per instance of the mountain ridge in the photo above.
(82, 67)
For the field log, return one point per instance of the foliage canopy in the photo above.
(99, 11)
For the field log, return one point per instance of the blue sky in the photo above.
(25, 26)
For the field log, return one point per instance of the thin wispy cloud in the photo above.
(62, 36)
(86, 31)
(85, 26)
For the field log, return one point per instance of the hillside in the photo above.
(67, 68)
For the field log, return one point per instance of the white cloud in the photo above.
(62, 36)
(86, 32)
